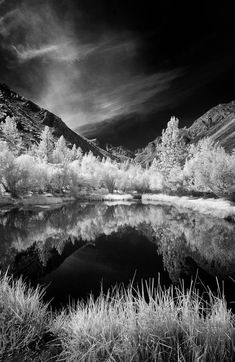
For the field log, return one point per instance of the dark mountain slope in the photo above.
(31, 119)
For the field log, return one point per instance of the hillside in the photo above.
(218, 123)
(148, 153)
(31, 119)
(129, 130)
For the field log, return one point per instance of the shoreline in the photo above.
(220, 208)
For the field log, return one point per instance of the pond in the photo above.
(77, 249)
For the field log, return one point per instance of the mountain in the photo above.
(121, 152)
(129, 130)
(146, 156)
(31, 119)
(218, 123)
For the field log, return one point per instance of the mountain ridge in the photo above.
(31, 119)
(218, 123)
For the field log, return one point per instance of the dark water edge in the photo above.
(76, 248)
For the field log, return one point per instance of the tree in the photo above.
(46, 146)
(63, 154)
(12, 135)
(156, 181)
(61, 151)
(172, 150)
(210, 169)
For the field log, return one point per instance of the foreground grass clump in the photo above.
(170, 325)
(123, 325)
(24, 322)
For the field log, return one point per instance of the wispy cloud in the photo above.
(85, 79)
(68, 51)
(28, 54)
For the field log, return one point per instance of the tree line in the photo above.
(52, 166)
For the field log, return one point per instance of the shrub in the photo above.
(210, 169)
(15, 175)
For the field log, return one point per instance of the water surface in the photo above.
(76, 248)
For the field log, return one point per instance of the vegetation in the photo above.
(124, 325)
(24, 321)
(51, 166)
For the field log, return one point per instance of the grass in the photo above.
(216, 207)
(171, 325)
(24, 322)
(123, 325)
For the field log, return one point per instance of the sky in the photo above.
(123, 61)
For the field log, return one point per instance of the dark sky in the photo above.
(90, 60)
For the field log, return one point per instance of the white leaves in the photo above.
(172, 150)
(210, 169)
(12, 135)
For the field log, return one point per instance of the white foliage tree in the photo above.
(172, 149)
(46, 145)
(210, 169)
(12, 135)
(61, 153)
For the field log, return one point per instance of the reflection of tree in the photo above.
(173, 252)
(52, 234)
(207, 240)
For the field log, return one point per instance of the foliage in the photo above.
(53, 166)
(24, 321)
(172, 150)
(169, 325)
(12, 135)
(63, 154)
(123, 325)
(46, 146)
(210, 169)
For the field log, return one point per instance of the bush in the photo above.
(15, 176)
(210, 169)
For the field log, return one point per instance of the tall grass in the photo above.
(124, 325)
(24, 321)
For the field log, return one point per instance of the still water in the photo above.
(77, 248)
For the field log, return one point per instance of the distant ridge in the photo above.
(218, 123)
(31, 119)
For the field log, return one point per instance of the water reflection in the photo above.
(41, 243)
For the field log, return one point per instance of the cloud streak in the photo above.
(84, 79)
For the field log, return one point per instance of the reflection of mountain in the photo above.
(46, 238)
(117, 258)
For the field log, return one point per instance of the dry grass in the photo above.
(124, 325)
(216, 207)
(24, 321)
(170, 325)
